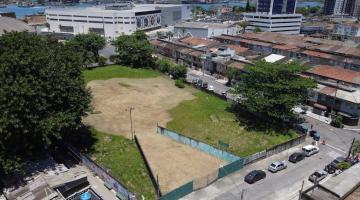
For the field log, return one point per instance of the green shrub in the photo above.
(163, 65)
(178, 71)
(102, 61)
(343, 165)
(336, 121)
(180, 83)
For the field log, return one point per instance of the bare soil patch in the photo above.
(151, 98)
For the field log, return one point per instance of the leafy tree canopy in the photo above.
(273, 89)
(134, 50)
(42, 95)
(90, 44)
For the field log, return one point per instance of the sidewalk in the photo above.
(200, 73)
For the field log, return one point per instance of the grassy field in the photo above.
(117, 71)
(208, 119)
(122, 157)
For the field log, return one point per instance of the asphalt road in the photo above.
(284, 185)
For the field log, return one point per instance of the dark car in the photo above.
(330, 169)
(315, 135)
(254, 176)
(205, 85)
(296, 157)
(337, 161)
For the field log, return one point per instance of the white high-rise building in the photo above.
(274, 16)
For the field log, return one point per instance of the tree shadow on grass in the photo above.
(258, 123)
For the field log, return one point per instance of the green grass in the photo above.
(117, 71)
(208, 119)
(122, 157)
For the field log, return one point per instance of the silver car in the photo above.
(277, 166)
(317, 176)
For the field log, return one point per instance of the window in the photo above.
(79, 16)
(95, 17)
(80, 21)
(65, 15)
(65, 20)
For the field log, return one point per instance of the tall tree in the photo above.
(243, 25)
(90, 44)
(42, 95)
(247, 9)
(134, 50)
(273, 89)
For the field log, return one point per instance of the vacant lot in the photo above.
(122, 157)
(208, 119)
(174, 163)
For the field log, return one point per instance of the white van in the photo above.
(310, 150)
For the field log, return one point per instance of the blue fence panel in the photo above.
(198, 145)
(178, 192)
(230, 168)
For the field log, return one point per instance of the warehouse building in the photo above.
(115, 20)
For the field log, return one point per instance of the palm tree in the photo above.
(183, 30)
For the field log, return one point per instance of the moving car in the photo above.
(277, 166)
(336, 161)
(254, 176)
(204, 84)
(317, 176)
(310, 150)
(296, 157)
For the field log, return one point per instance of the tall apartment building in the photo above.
(275, 16)
(342, 7)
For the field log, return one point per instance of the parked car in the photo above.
(315, 135)
(277, 166)
(254, 176)
(204, 84)
(310, 150)
(336, 161)
(317, 176)
(296, 157)
(195, 81)
(210, 88)
(330, 169)
(199, 82)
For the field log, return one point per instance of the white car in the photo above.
(317, 176)
(310, 150)
(277, 166)
(210, 88)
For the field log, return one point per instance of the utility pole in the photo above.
(301, 190)
(131, 122)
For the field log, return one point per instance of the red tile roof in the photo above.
(194, 41)
(238, 49)
(286, 47)
(336, 73)
(317, 54)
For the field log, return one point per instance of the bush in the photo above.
(343, 165)
(178, 71)
(102, 61)
(180, 83)
(163, 65)
(336, 121)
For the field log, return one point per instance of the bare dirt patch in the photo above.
(174, 163)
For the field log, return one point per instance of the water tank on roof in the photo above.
(86, 196)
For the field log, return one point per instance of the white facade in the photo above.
(111, 22)
(348, 30)
(280, 23)
(204, 30)
(339, 7)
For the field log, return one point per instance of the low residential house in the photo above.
(338, 89)
(315, 50)
(347, 30)
(8, 24)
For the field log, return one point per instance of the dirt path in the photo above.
(174, 163)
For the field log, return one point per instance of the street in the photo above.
(286, 183)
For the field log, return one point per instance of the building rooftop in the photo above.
(337, 187)
(351, 96)
(336, 73)
(201, 25)
(237, 48)
(10, 24)
(195, 41)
